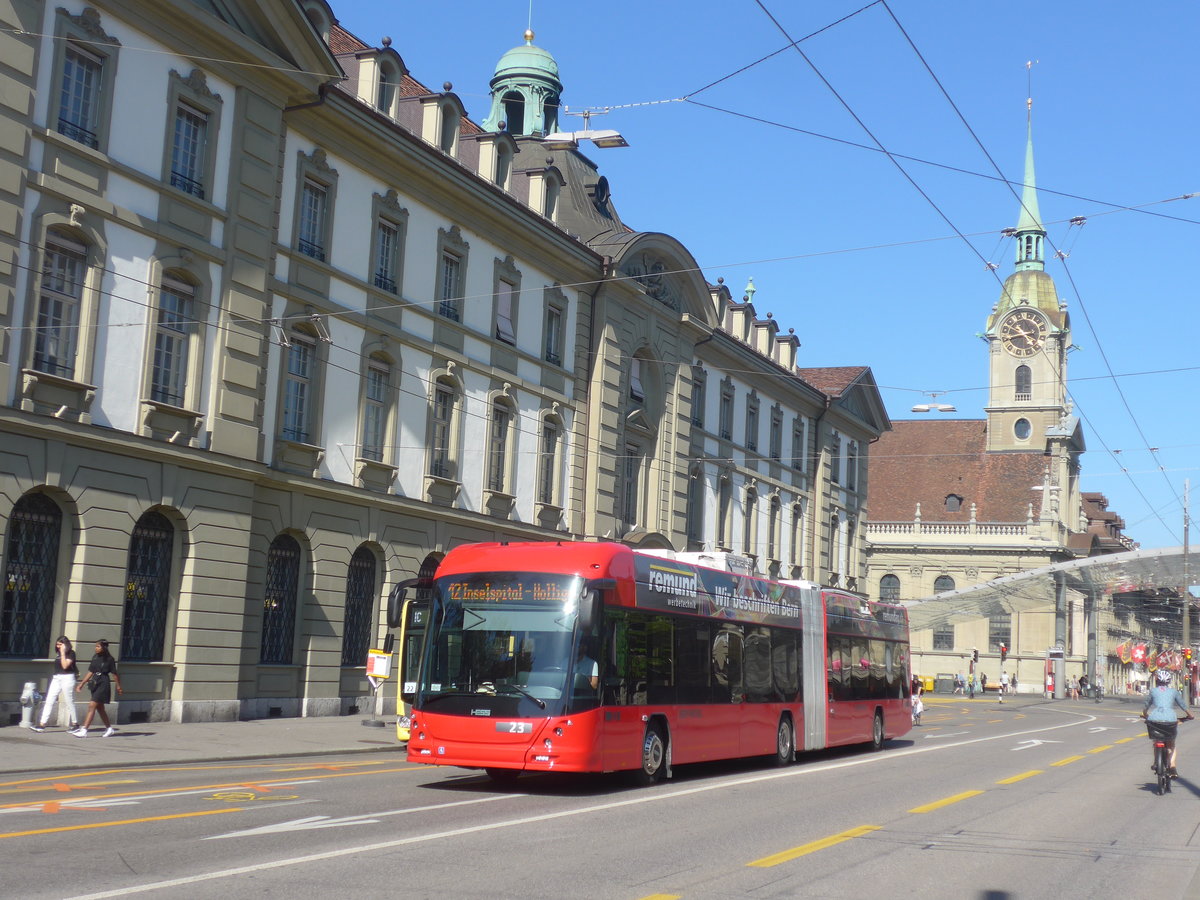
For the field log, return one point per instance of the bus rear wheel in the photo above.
(784, 742)
(877, 731)
(654, 755)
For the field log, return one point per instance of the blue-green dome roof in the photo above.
(527, 59)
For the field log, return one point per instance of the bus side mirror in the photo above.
(591, 605)
(395, 602)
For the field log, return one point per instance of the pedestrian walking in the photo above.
(1003, 682)
(1013, 683)
(1099, 687)
(102, 672)
(1083, 686)
(958, 683)
(983, 682)
(62, 684)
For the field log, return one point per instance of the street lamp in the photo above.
(605, 138)
(934, 407)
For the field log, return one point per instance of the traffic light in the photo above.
(1003, 653)
(974, 656)
(1187, 654)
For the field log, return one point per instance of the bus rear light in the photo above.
(547, 743)
(558, 732)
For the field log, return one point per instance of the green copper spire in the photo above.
(1030, 234)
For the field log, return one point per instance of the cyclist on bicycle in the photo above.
(1159, 713)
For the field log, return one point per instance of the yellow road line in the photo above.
(1101, 748)
(1125, 740)
(1067, 761)
(938, 804)
(663, 897)
(225, 785)
(1015, 778)
(207, 812)
(775, 859)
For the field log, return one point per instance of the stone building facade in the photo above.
(281, 325)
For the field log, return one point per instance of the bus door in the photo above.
(408, 610)
(841, 726)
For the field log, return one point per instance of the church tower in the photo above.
(525, 92)
(1028, 335)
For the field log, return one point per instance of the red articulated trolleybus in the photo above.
(594, 657)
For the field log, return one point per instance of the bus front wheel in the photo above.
(877, 731)
(654, 755)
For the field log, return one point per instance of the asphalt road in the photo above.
(981, 801)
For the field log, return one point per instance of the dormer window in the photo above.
(387, 88)
(448, 136)
(953, 503)
(551, 206)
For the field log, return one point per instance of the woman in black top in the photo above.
(101, 670)
(62, 683)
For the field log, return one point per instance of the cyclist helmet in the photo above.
(1163, 676)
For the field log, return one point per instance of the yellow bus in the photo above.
(408, 610)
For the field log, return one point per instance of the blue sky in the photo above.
(841, 245)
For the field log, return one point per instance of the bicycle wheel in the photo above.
(1164, 779)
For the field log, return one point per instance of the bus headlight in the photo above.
(558, 732)
(547, 743)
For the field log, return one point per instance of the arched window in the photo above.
(29, 576)
(773, 529)
(504, 158)
(548, 461)
(1024, 383)
(279, 601)
(552, 189)
(443, 431)
(147, 588)
(943, 583)
(448, 139)
(360, 604)
(514, 112)
(889, 588)
(799, 539)
(500, 437)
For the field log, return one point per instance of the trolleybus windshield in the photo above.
(505, 637)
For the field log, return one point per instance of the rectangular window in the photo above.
(387, 242)
(439, 445)
(548, 463)
(375, 399)
(451, 275)
(835, 459)
(297, 389)
(999, 631)
(80, 101)
(311, 237)
(699, 395)
(632, 472)
(187, 150)
(852, 466)
(943, 637)
(498, 447)
(725, 413)
(752, 423)
(554, 335)
(172, 336)
(55, 342)
(505, 301)
(776, 448)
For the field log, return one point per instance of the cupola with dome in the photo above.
(525, 92)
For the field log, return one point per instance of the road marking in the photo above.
(1026, 745)
(1125, 740)
(794, 772)
(312, 822)
(1067, 761)
(1099, 728)
(796, 852)
(938, 804)
(1015, 778)
(663, 897)
(207, 812)
(1101, 748)
(930, 737)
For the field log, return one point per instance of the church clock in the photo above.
(1023, 333)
